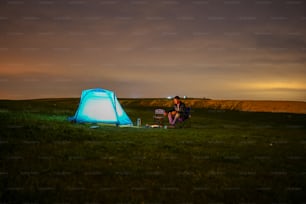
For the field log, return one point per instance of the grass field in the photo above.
(225, 157)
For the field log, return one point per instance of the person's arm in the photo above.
(169, 111)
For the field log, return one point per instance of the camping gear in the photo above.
(159, 115)
(138, 123)
(100, 106)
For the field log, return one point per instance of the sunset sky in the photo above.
(229, 49)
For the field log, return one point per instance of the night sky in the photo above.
(250, 49)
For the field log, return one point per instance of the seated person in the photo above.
(178, 112)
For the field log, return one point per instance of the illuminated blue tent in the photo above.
(100, 106)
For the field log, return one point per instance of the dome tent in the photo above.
(100, 106)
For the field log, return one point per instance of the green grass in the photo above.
(226, 156)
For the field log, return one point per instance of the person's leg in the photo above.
(176, 116)
(170, 118)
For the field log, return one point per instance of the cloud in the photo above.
(149, 48)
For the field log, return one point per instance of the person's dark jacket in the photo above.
(182, 110)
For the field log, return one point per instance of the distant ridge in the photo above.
(239, 105)
(298, 107)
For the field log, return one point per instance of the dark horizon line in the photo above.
(153, 98)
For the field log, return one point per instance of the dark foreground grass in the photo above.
(225, 157)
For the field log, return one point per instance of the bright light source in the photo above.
(99, 110)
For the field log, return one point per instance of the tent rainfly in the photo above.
(100, 106)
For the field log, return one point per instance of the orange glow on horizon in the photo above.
(274, 85)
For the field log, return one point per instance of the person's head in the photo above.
(176, 100)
